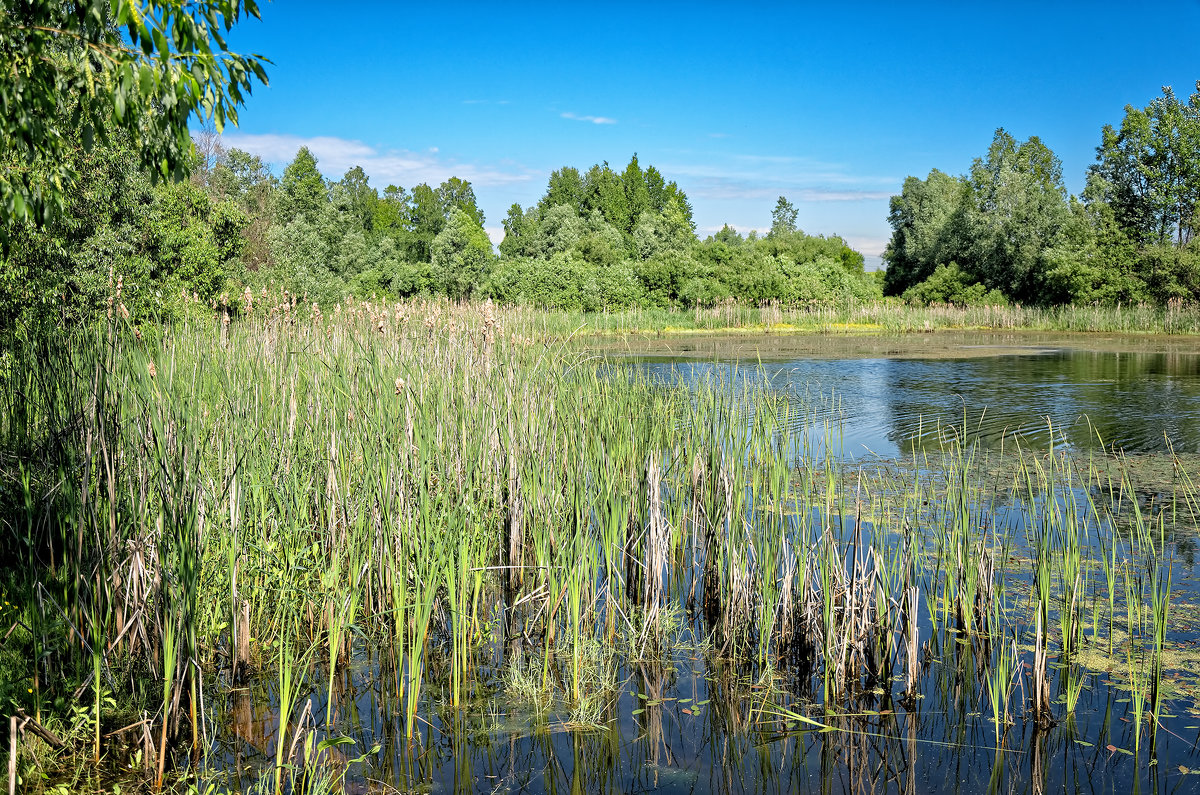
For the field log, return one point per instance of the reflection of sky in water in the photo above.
(1136, 401)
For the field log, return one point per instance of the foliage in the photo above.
(1009, 226)
(84, 71)
(461, 254)
(949, 285)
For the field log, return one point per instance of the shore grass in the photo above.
(423, 482)
(881, 317)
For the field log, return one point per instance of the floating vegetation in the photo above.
(376, 546)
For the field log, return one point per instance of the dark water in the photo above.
(690, 725)
(1140, 401)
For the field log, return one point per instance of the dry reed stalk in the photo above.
(657, 544)
(912, 636)
(1041, 678)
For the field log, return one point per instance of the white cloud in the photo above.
(592, 119)
(495, 234)
(335, 156)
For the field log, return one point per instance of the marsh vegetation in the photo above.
(401, 546)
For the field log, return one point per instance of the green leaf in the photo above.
(333, 742)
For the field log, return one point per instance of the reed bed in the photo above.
(281, 495)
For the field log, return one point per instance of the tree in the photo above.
(302, 190)
(928, 222)
(519, 228)
(392, 212)
(566, 186)
(1021, 212)
(783, 218)
(427, 216)
(1148, 172)
(360, 197)
(75, 72)
(456, 192)
(461, 254)
(637, 194)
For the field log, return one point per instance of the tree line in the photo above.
(1008, 231)
(596, 240)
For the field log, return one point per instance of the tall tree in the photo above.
(461, 253)
(566, 186)
(1021, 212)
(456, 192)
(1148, 172)
(519, 227)
(361, 198)
(606, 192)
(302, 190)
(427, 217)
(392, 212)
(783, 218)
(928, 222)
(637, 194)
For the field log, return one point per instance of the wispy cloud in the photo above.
(485, 102)
(592, 119)
(738, 188)
(766, 177)
(335, 156)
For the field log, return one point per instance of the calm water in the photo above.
(1138, 401)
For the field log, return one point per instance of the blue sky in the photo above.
(831, 105)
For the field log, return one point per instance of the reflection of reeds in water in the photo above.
(403, 480)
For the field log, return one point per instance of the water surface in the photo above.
(887, 395)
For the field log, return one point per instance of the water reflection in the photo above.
(1134, 401)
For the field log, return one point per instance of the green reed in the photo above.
(395, 479)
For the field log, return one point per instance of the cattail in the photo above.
(123, 311)
(152, 370)
(399, 385)
(248, 301)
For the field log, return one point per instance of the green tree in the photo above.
(392, 213)
(427, 217)
(360, 197)
(1020, 212)
(461, 254)
(566, 186)
(606, 192)
(1148, 172)
(458, 193)
(783, 218)
(76, 72)
(302, 190)
(929, 221)
(637, 194)
(519, 228)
